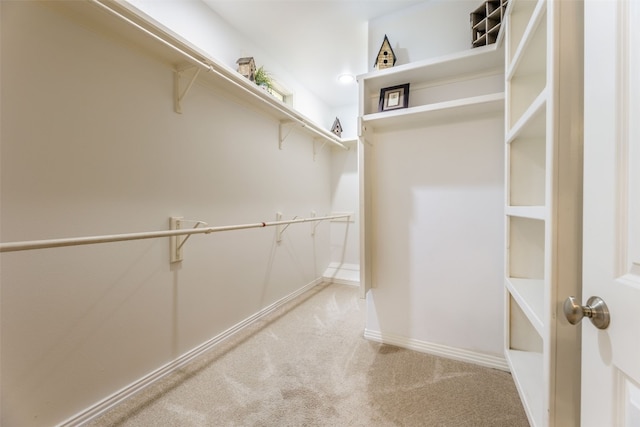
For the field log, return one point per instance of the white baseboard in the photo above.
(439, 350)
(130, 390)
(343, 274)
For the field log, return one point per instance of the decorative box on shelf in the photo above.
(486, 21)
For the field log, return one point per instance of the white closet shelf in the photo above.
(447, 88)
(121, 21)
(458, 66)
(527, 370)
(531, 123)
(535, 21)
(532, 212)
(529, 295)
(438, 112)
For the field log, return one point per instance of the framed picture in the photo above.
(394, 97)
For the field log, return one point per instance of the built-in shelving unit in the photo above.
(465, 83)
(454, 88)
(123, 21)
(543, 211)
(486, 22)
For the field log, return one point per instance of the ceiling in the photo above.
(315, 40)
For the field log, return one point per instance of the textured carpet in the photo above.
(308, 365)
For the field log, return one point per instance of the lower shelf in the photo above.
(436, 113)
(532, 212)
(529, 294)
(527, 371)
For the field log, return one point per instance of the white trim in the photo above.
(343, 274)
(462, 355)
(130, 390)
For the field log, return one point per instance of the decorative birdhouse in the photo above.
(247, 67)
(337, 128)
(386, 58)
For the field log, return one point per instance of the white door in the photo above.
(611, 263)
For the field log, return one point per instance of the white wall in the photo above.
(438, 227)
(345, 241)
(196, 22)
(344, 191)
(90, 145)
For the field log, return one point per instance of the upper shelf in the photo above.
(444, 88)
(122, 21)
(461, 65)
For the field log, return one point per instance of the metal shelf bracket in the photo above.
(179, 95)
(284, 125)
(177, 242)
(279, 227)
(316, 152)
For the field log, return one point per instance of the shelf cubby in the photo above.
(526, 248)
(520, 19)
(527, 177)
(527, 368)
(523, 336)
(528, 294)
(526, 75)
(525, 356)
(532, 123)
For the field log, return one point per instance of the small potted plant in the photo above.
(262, 78)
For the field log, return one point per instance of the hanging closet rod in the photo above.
(210, 67)
(77, 241)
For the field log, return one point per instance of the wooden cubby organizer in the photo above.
(543, 205)
(486, 22)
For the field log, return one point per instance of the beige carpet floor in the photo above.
(308, 365)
